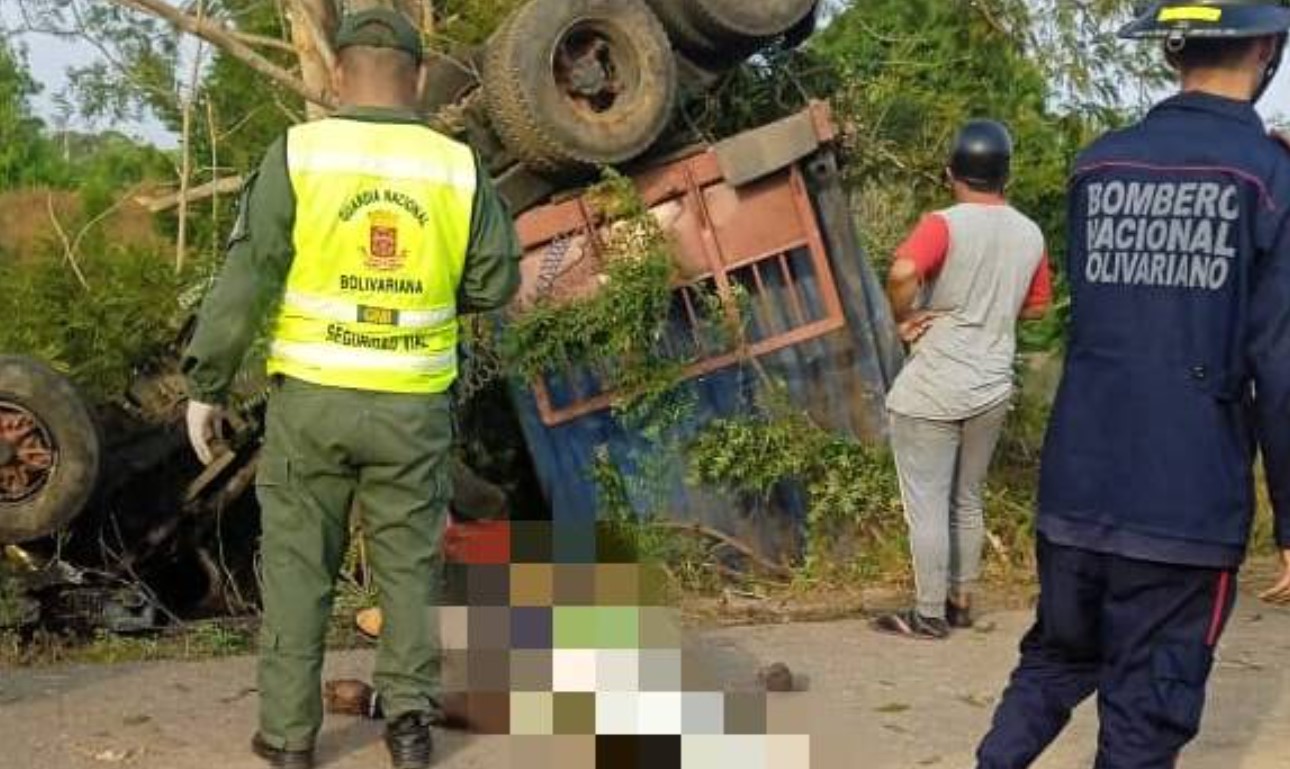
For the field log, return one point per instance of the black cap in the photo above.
(379, 28)
(982, 153)
(1181, 19)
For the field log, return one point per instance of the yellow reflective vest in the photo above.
(383, 215)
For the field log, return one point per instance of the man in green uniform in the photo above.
(360, 240)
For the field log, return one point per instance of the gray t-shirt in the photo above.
(963, 365)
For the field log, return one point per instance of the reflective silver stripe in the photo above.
(332, 356)
(327, 308)
(387, 168)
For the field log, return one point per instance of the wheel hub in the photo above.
(588, 74)
(28, 454)
(586, 70)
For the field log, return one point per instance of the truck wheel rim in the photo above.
(593, 73)
(28, 454)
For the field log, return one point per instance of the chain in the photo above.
(483, 363)
(552, 261)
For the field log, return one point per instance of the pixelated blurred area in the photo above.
(559, 633)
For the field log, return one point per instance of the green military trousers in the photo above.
(325, 449)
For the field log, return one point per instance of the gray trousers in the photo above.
(943, 467)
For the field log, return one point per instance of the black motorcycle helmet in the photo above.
(982, 155)
(1177, 21)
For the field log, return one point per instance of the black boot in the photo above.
(282, 759)
(959, 615)
(408, 738)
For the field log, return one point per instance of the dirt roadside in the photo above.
(872, 703)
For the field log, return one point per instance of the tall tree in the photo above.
(24, 155)
(286, 44)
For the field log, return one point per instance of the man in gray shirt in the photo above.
(979, 266)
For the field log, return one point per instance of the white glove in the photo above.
(205, 424)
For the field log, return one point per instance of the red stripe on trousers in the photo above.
(1220, 608)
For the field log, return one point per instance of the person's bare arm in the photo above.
(903, 285)
(917, 259)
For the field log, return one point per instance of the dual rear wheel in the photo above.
(573, 84)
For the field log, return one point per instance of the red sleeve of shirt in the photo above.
(927, 246)
(1041, 286)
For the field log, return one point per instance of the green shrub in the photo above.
(99, 333)
(616, 331)
(852, 489)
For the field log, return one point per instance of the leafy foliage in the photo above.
(102, 167)
(849, 485)
(24, 154)
(127, 309)
(98, 336)
(902, 75)
(248, 111)
(470, 22)
(616, 332)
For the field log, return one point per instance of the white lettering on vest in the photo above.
(1162, 234)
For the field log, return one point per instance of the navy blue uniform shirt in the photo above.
(1178, 365)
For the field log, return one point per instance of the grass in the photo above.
(192, 641)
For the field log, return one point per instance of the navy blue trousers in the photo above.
(1139, 634)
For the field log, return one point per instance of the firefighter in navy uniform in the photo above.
(1177, 372)
(361, 240)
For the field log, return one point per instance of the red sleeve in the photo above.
(1041, 286)
(927, 246)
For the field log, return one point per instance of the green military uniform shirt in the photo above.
(261, 249)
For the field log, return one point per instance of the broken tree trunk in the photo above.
(699, 530)
(228, 41)
(313, 30)
(157, 204)
(313, 27)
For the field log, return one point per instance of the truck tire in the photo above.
(49, 451)
(803, 30)
(572, 84)
(725, 32)
(685, 36)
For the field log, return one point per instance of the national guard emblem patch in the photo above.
(383, 242)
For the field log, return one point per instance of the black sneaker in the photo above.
(408, 738)
(911, 624)
(959, 617)
(281, 759)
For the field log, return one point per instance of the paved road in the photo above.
(872, 703)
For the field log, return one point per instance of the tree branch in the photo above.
(742, 548)
(262, 40)
(157, 204)
(68, 251)
(218, 35)
(321, 22)
(310, 21)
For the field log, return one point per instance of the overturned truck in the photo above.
(111, 521)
